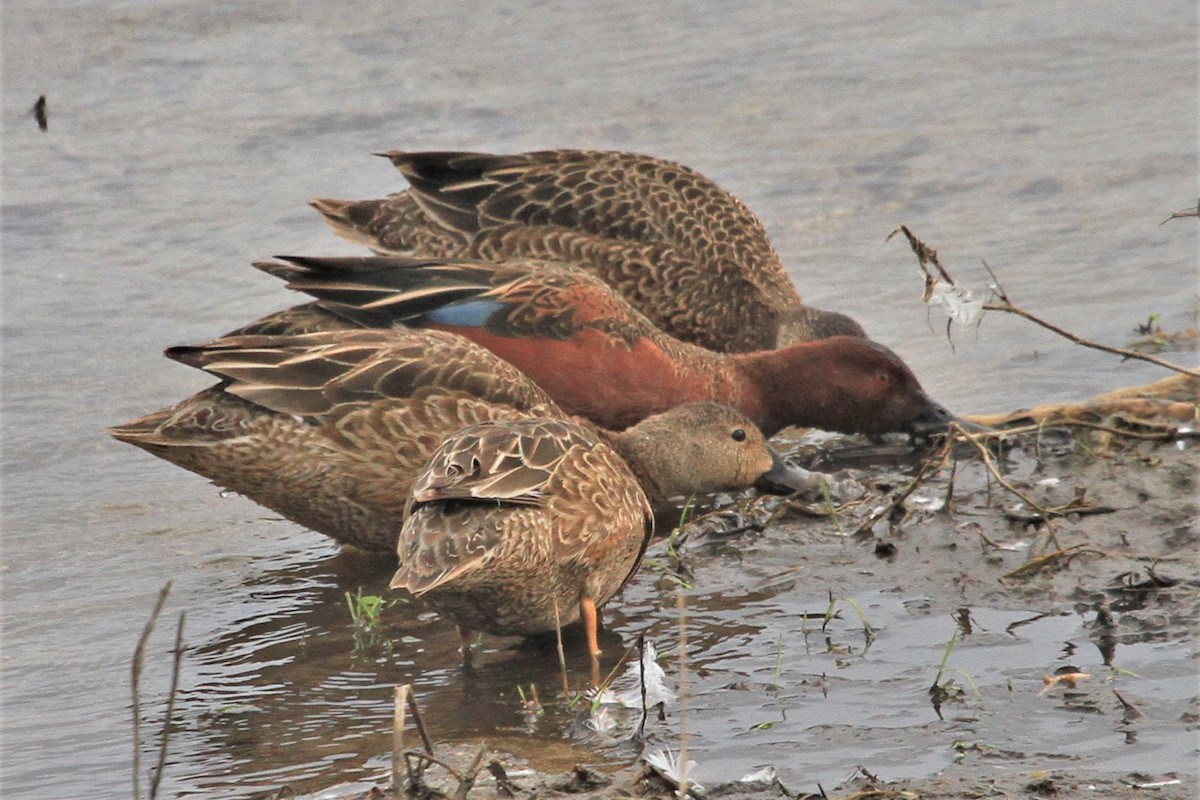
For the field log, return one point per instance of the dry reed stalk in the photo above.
(139, 658)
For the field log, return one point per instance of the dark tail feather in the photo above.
(378, 291)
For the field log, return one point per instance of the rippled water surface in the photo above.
(1047, 139)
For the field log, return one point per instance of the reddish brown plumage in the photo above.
(599, 358)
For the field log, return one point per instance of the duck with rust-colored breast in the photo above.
(329, 428)
(599, 358)
(679, 248)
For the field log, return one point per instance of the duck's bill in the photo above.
(785, 478)
(936, 419)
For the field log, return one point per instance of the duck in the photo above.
(601, 359)
(329, 427)
(519, 527)
(679, 248)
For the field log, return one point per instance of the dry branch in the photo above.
(926, 256)
(1193, 211)
(136, 667)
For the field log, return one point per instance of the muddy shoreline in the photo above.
(1123, 561)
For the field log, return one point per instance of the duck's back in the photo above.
(330, 428)
(510, 524)
(681, 249)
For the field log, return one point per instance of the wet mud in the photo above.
(1021, 631)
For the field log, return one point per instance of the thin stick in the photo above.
(1038, 563)
(641, 645)
(990, 464)
(466, 781)
(562, 656)
(176, 660)
(1008, 308)
(933, 463)
(416, 712)
(398, 709)
(139, 656)
(681, 610)
(612, 673)
(927, 255)
(1194, 211)
(425, 759)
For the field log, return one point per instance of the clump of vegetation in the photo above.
(366, 611)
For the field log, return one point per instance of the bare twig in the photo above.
(425, 759)
(1194, 211)
(681, 610)
(416, 712)
(929, 466)
(927, 255)
(466, 781)
(398, 709)
(641, 645)
(562, 656)
(994, 471)
(1131, 711)
(1041, 562)
(139, 657)
(1007, 307)
(176, 661)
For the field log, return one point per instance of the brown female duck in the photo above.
(682, 250)
(518, 527)
(329, 428)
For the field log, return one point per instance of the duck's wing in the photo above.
(521, 298)
(567, 330)
(468, 497)
(511, 463)
(321, 374)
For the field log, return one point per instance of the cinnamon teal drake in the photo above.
(682, 250)
(330, 428)
(599, 358)
(518, 527)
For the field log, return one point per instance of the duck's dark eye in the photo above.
(738, 435)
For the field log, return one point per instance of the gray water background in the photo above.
(1049, 139)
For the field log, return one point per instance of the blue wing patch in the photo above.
(471, 314)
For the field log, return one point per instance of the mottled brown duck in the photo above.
(329, 428)
(519, 527)
(679, 248)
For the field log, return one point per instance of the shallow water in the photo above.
(1045, 139)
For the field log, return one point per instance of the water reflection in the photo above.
(291, 695)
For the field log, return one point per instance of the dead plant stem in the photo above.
(176, 662)
(398, 709)
(927, 255)
(416, 713)
(1009, 308)
(990, 463)
(139, 657)
(562, 656)
(929, 465)
(681, 610)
